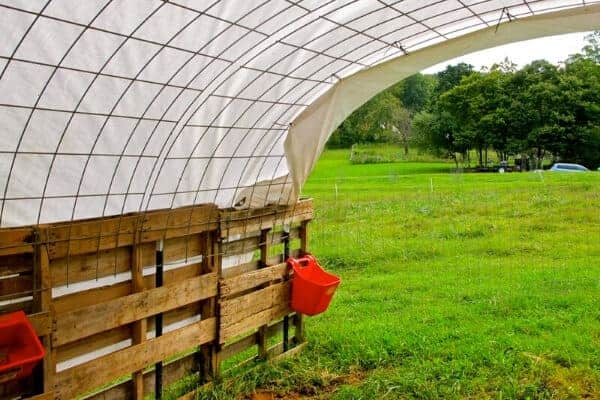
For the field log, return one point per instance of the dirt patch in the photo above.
(332, 383)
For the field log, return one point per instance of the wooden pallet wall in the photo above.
(90, 289)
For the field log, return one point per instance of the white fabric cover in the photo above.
(115, 106)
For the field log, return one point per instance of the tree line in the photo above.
(537, 112)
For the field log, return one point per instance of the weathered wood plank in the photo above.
(21, 285)
(241, 221)
(83, 267)
(88, 236)
(41, 322)
(165, 224)
(16, 264)
(105, 293)
(252, 279)
(26, 306)
(103, 316)
(172, 372)
(139, 326)
(233, 348)
(16, 241)
(93, 374)
(254, 321)
(251, 266)
(276, 352)
(241, 246)
(252, 303)
(44, 396)
(253, 311)
(181, 248)
(113, 336)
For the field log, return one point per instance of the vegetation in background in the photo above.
(533, 113)
(454, 286)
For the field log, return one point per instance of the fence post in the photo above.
(139, 327)
(209, 357)
(42, 299)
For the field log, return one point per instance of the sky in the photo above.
(552, 48)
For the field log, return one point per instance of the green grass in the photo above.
(453, 286)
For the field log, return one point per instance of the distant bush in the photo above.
(383, 154)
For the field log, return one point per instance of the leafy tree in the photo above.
(451, 77)
(415, 92)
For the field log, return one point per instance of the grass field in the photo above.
(454, 286)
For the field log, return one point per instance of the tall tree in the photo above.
(451, 77)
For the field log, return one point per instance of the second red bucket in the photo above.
(312, 287)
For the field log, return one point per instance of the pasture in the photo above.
(453, 286)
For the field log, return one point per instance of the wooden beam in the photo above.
(139, 327)
(245, 306)
(90, 344)
(252, 279)
(93, 374)
(235, 222)
(16, 264)
(16, 241)
(102, 294)
(208, 353)
(254, 321)
(41, 322)
(103, 316)
(42, 300)
(173, 371)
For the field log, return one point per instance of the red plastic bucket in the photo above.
(20, 348)
(312, 287)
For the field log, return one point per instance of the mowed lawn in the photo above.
(453, 286)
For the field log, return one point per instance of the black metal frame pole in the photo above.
(158, 322)
(286, 318)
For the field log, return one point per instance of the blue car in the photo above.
(565, 167)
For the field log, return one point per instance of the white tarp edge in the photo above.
(312, 128)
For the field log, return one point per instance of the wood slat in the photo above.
(165, 224)
(93, 374)
(251, 311)
(244, 306)
(103, 316)
(172, 372)
(16, 241)
(90, 236)
(182, 248)
(241, 246)
(44, 396)
(233, 348)
(79, 268)
(248, 267)
(105, 293)
(16, 264)
(100, 340)
(26, 306)
(21, 284)
(252, 279)
(81, 237)
(41, 322)
(252, 322)
(275, 238)
(235, 222)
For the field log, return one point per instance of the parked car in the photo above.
(565, 167)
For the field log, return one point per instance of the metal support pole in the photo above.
(158, 368)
